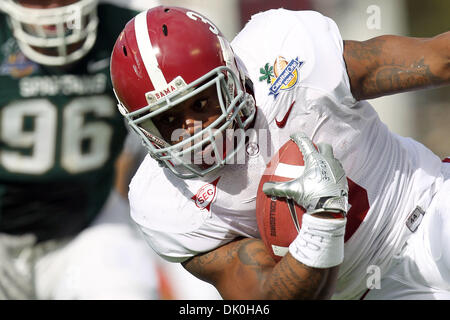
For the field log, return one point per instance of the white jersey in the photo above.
(295, 60)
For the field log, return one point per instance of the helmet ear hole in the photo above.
(125, 51)
(165, 31)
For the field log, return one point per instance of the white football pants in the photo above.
(422, 271)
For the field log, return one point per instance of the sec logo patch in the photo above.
(206, 195)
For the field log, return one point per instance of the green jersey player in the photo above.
(60, 136)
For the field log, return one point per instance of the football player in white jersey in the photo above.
(212, 114)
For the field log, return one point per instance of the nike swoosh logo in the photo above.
(282, 123)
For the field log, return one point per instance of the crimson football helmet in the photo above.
(54, 36)
(165, 56)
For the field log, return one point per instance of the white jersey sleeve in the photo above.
(274, 38)
(183, 218)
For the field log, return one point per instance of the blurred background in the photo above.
(423, 115)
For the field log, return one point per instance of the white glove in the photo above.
(323, 185)
(14, 285)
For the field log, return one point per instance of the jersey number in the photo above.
(39, 138)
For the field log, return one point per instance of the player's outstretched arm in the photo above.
(244, 269)
(392, 64)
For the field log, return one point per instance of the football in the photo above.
(279, 220)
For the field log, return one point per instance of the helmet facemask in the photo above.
(208, 148)
(54, 36)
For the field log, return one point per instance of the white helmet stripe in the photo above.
(148, 52)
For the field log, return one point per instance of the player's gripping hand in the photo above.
(321, 188)
(323, 185)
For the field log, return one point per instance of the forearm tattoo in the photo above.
(386, 73)
(251, 272)
(289, 279)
